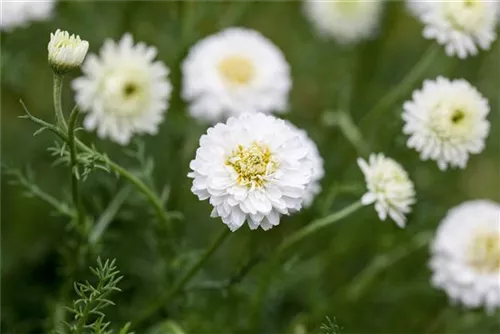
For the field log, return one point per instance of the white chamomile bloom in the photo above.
(389, 187)
(465, 255)
(318, 171)
(252, 168)
(234, 72)
(345, 21)
(462, 26)
(66, 51)
(446, 121)
(124, 90)
(18, 13)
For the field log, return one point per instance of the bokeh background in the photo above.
(371, 276)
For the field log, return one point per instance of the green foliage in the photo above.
(87, 310)
(330, 327)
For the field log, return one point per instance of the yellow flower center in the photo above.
(347, 7)
(237, 70)
(484, 253)
(252, 164)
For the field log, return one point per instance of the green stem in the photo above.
(140, 185)
(344, 121)
(403, 88)
(299, 235)
(58, 82)
(315, 226)
(381, 262)
(75, 172)
(180, 284)
(108, 215)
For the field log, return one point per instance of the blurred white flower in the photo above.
(233, 72)
(345, 21)
(446, 121)
(18, 13)
(66, 51)
(417, 7)
(462, 26)
(318, 171)
(123, 90)
(389, 187)
(252, 168)
(465, 254)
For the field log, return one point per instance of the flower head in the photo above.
(462, 26)
(318, 171)
(345, 21)
(19, 13)
(234, 72)
(123, 90)
(66, 51)
(252, 168)
(465, 254)
(389, 187)
(446, 121)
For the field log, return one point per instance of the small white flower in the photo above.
(446, 121)
(465, 255)
(234, 72)
(252, 168)
(389, 187)
(66, 51)
(18, 13)
(345, 21)
(314, 155)
(123, 90)
(462, 26)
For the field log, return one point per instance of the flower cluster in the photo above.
(254, 167)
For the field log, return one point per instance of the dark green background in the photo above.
(316, 281)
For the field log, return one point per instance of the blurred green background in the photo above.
(369, 275)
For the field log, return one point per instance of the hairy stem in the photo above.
(58, 82)
(181, 283)
(75, 172)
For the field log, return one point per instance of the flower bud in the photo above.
(66, 51)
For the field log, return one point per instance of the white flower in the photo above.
(124, 90)
(389, 187)
(18, 13)
(252, 168)
(462, 26)
(345, 21)
(417, 7)
(318, 171)
(446, 121)
(465, 254)
(234, 72)
(66, 51)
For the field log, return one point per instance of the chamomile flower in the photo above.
(465, 255)
(66, 51)
(318, 171)
(234, 72)
(252, 168)
(345, 21)
(124, 90)
(417, 7)
(389, 187)
(19, 13)
(446, 121)
(462, 26)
